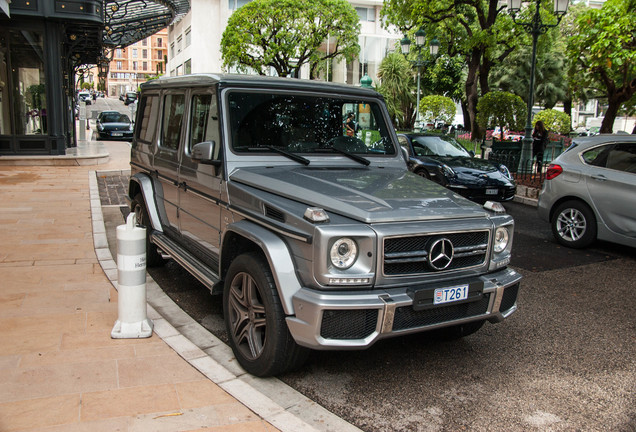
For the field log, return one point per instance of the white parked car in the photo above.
(590, 191)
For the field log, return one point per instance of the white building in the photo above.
(194, 43)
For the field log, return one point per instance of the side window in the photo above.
(173, 109)
(622, 157)
(147, 116)
(204, 121)
(597, 156)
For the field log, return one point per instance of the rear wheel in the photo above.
(138, 206)
(574, 224)
(255, 319)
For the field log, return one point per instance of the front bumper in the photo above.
(356, 320)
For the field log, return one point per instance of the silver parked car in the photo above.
(590, 192)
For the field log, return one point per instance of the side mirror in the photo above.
(471, 153)
(204, 152)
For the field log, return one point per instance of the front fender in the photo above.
(277, 255)
(144, 185)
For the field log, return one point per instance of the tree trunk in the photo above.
(472, 96)
(607, 126)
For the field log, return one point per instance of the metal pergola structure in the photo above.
(129, 21)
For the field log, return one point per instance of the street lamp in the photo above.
(420, 41)
(535, 27)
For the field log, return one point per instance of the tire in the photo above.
(138, 206)
(574, 224)
(255, 320)
(423, 173)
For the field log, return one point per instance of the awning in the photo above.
(129, 21)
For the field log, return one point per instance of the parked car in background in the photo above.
(130, 98)
(590, 191)
(84, 96)
(114, 125)
(442, 159)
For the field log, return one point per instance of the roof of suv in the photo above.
(603, 138)
(237, 80)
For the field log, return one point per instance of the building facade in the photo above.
(194, 41)
(136, 63)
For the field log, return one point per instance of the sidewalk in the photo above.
(59, 368)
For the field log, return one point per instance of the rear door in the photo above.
(200, 184)
(166, 159)
(611, 182)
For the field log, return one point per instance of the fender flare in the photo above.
(145, 185)
(278, 257)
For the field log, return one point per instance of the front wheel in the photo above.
(255, 320)
(574, 224)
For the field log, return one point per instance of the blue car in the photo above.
(445, 161)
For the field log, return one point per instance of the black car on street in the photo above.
(114, 125)
(442, 159)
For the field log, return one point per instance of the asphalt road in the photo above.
(565, 361)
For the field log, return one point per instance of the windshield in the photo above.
(114, 118)
(307, 124)
(438, 146)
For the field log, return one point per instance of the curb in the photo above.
(271, 399)
(527, 195)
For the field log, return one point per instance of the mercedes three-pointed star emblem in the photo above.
(440, 254)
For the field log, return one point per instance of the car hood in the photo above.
(475, 171)
(364, 194)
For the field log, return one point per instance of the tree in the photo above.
(603, 56)
(555, 121)
(286, 34)
(474, 30)
(437, 109)
(551, 84)
(502, 109)
(396, 85)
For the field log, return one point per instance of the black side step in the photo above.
(191, 263)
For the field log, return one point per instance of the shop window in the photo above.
(28, 84)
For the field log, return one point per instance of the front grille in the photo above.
(409, 255)
(407, 318)
(348, 324)
(509, 298)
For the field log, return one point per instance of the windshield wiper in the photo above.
(292, 156)
(355, 157)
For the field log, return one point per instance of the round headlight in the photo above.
(501, 239)
(343, 253)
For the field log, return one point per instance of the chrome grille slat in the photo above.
(409, 255)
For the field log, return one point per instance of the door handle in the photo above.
(599, 177)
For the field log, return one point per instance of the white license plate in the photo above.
(452, 294)
(492, 191)
(117, 134)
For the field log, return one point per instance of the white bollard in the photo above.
(131, 280)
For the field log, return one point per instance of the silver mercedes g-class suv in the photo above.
(293, 198)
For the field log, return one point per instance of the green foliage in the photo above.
(437, 109)
(87, 85)
(602, 54)
(555, 121)
(286, 34)
(396, 85)
(501, 109)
